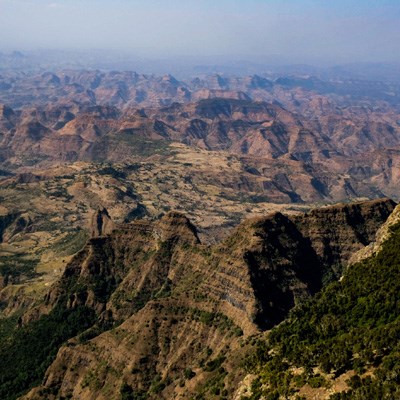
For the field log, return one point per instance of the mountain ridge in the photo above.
(160, 270)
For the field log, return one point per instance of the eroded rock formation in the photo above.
(181, 301)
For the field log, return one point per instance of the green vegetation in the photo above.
(60, 191)
(26, 352)
(214, 319)
(350, 325)
(189, 373)
(214, 387)
(72, 242)
(109, 170)
(127, 393)
(12, 267)
(212, 365)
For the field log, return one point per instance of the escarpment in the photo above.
(169, 307)
(271, 263)
(381, 236)
(136, 255)
(339, 231)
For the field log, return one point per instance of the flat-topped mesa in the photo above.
(101, 223)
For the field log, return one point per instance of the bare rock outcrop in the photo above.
(178, 297)
(101, 223)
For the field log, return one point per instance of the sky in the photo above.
(299, 31)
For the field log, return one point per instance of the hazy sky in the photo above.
(301, 30)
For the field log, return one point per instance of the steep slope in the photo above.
(381, 236)
(285, 259)
(80, 300)
(157, 278)
(342, 344)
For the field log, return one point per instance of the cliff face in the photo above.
(345, 334)
(338, 232)
(179, 309)
(271, 263)
(381, 236)
(134, 258)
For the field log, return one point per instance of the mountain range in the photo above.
(220, 237)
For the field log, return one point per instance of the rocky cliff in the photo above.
(101, 223)
(172, 312)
